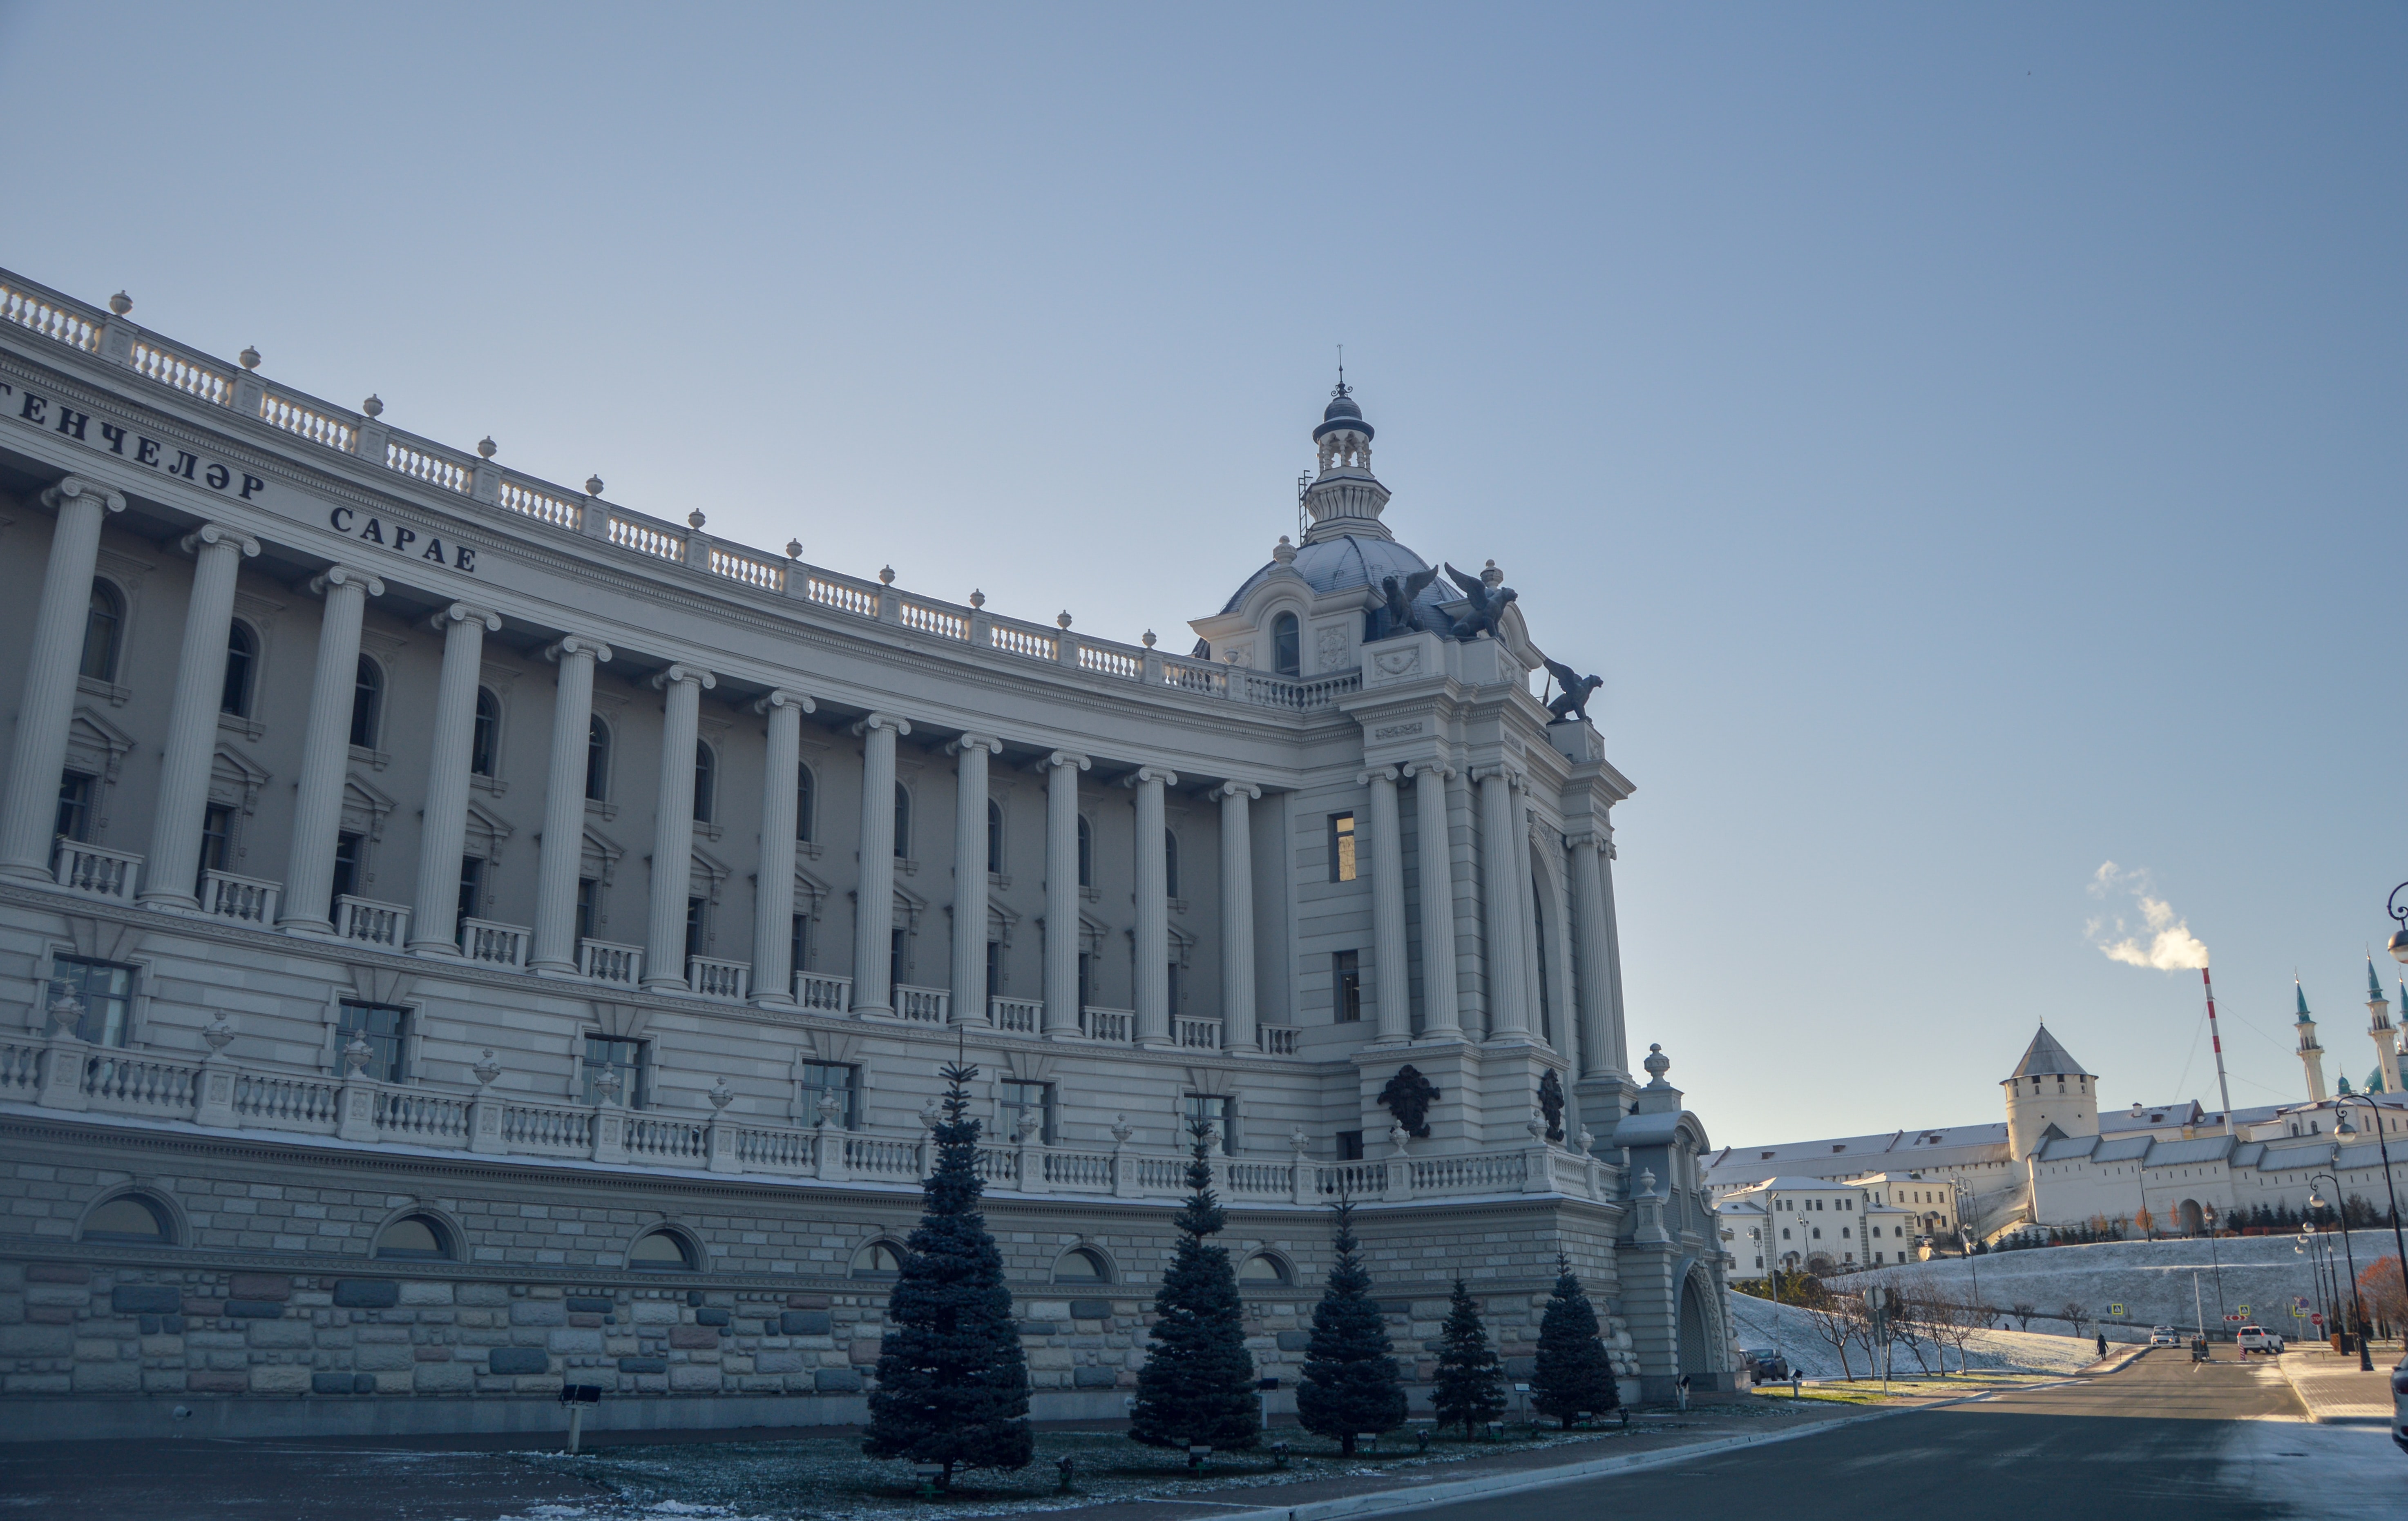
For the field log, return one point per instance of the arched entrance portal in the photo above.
(1702, 1353)
(2188, 1212)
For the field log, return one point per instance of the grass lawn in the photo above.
(1868, 1391)
(827, 1479)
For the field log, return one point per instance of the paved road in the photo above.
(2205, 1443)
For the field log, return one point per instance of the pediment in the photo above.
(235, 779)
(488, 830)
(95, 744)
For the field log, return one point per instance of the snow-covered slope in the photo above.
(1790, 1329)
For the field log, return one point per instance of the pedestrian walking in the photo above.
(1681, 1391)
(2102, 1346)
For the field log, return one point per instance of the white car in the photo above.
(2258, 1339)
(2164, 1336)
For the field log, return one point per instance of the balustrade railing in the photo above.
(434, 1120)
(717, 979)
(496, 945)
(645, 539)
(841, 595)
(1200, 1034)
(1189, 676)
(940, 621)
(1018, 1016)
(93, 873)
(246, 899)
(175, 371)
(372, 923)
(670, 1142)
(924, 1005)
(299, 418)
(1013, 640)
(285, 1103)
(1107, 1024)
(51, 320)
(542, 505)
(139, 1086)
(547, 1131)
(751, 570)
(603, 961)
(822, 993)
(1278, 1040)
(424, 461)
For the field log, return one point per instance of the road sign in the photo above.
(2316, 1320)
(2244, 1311)
(2115, 1309)
(2231, 1317)
(2298, 1313)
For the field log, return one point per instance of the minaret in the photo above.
(2378, 1029)
(1345, 499)
(2312, 1056)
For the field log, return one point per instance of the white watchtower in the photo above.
(2049, 1091)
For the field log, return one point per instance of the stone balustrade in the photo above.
(245, 900)
(603, 961)
(495, 944)
(90, 872)
(712, 978)
(384, 925)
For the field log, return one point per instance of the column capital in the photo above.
(460, 612)
(1438, 769)
(1067, 757)
(1248, 791)
(578, 644)
(883, 720)
(216, 533)
(1375, 773)
(1513, 777)
(74, 486)
(1151, 774)
(988, 743)
(1593, 837)
(785, 697)
(334, 575)
(683, 671)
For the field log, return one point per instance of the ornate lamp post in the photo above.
(2399, 912)
(2357, 1299)
(2383, 1148)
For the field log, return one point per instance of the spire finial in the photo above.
(2373, 984)
(2301, 995)
(1341, 390)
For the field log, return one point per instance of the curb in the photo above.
(2317, 1411)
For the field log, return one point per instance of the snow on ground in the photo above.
(2151, 1279)
(1762, 1323)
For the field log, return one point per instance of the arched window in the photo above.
(879, 1259)
(1287, 646)
(103, 627)
(1263, 1268)
(1169, 864)
(597, 758)
(804, 789)
(242, 657)
(133, 1220)
(706, 781)
(661, 1251)
(368, 704)
(994, 836)
(482, 736)
(902, 821)
(415, 1238)
(1082, 1265)
(1086, 854)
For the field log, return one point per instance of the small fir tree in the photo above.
(1471, 1384)
(1197, 1384)
(952, 1383)
(1573, 1377)
(1349, 1383)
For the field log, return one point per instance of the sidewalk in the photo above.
(2334, 1391)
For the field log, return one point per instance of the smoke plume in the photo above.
(2162, 940)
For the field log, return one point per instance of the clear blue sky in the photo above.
(1969, 443)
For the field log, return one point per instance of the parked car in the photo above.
(2164, 1336)
(2258, 1339)
(1765, 1365)
(2399, 1402)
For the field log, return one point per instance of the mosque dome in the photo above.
(1342, 413)
(1333, 564)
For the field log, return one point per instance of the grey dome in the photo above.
(1341, 414)
(1351, 560)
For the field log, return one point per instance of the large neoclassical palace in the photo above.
(459, 934)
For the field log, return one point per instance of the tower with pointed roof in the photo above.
(2312, 1056)
(2049, 1095)
(2379, 1031)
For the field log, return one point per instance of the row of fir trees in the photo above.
(953, 1380)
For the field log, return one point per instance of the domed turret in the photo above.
(2048, 1092)
(1345, 498)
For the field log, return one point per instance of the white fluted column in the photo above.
(1501, 861)
(1600, 996)
(773, 897)
(1441, 1016)
(873, 909)
(326, 750)
(971, 753)
(174, 862)
(432, 928)
(682, 688)
(562, 850)
(1062, 769)
(1391, 984)
(1238, 1030)
(38, 755)
(1153, 908)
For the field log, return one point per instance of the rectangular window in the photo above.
(1015, 1099)
(588, 890)
(216, 824)
(1087, 980)
(75, 806)
(1214, 1109)
(103, 990)
(385, 1024)
(694, 908)
(798, 941)
(1350, 1145)
(1341, 848)
(1346, 974)
(472, 882)
(895, 958)
(994, 967)
(626, 1059)
(1171, 982)
(347, 868)
(824, 1077)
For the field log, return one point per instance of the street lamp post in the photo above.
(2398, 945)
(2215, 1263)
(2357, 1299)
(2383, 1148)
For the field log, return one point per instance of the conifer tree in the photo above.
(952, 1383)
(1197, 1384)
(1573, 1377)
(1350, 1383)
(1470, 1383)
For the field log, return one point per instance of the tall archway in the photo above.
(2188, 1212)
(1703, 1352)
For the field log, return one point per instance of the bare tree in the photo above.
(2075, 1313)
(2022, 1314)
(1909, 1321)
(1833, 1317)
(1958, 1316)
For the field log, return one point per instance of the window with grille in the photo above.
(1341, 848)
(105, 992)
(76, 792)
(828, 1078)
(1015, 1099)
(1210, 1108)
(624, 1057)
(386, 1027)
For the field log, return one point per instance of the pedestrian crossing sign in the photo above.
(2115, 1309)
(2245, 1311)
